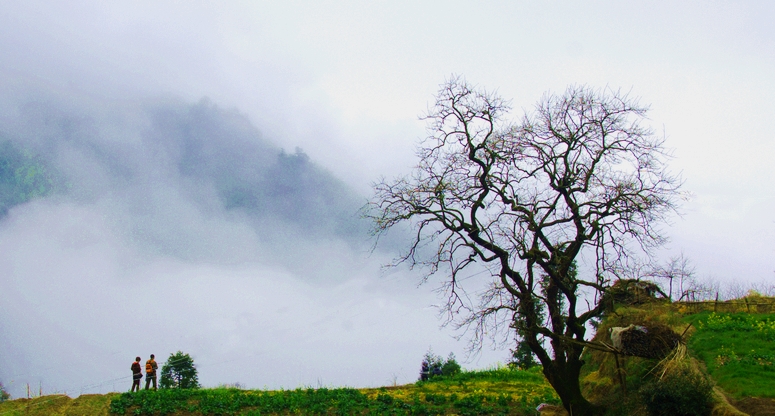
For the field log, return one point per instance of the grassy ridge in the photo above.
(735, 348)
(488, 392)
(493, 392)
(59, 405)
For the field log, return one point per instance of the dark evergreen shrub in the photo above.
(179, 372)
(682, 392)
(450, 367)
(433, 365)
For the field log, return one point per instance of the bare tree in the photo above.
(578, 178)
(764, 288)
(678, 271)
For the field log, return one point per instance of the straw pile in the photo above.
(646, 341)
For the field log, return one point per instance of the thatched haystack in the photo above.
(646, 341)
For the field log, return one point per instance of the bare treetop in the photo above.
(580, 176)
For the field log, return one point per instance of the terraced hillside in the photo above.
(732, 350)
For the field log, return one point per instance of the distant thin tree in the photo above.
(4, 395)
(179, 372)
(680, 272)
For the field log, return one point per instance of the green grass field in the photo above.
(738, 350)
(59, 405)
(486, 392)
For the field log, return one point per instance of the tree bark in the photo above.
(565, 378)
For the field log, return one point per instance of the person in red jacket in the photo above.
(137, 374)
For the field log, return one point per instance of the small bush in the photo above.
(450, 367)
(433, 365)
(682, 392)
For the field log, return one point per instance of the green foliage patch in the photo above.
(489, 392)
(737, 349)
(179, 372)
(23, 176)
(681, 393)
(435, 366)
(4, 395)
(503, 374)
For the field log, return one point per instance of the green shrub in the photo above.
(450, 367)
(487, 392)
(471, 405)
(179, 372)
(682, 392)
(433, 366)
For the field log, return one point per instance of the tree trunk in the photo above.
(564, 377)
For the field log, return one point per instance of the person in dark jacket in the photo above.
(150, 372)
(137, 374)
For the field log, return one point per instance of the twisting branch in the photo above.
(578, 178)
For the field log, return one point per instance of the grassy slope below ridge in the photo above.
(496, 392)
(59, 405)
(601, 375)
(735, 349)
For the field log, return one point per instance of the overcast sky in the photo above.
(165, 119)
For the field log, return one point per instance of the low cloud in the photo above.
(177, 226)
(192, 181)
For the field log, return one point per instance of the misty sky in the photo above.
(207, 163)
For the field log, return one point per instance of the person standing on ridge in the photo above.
(150, 372)
(137, 374)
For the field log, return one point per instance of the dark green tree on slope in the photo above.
(23, 176)
(3, 394)
(179, 372)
